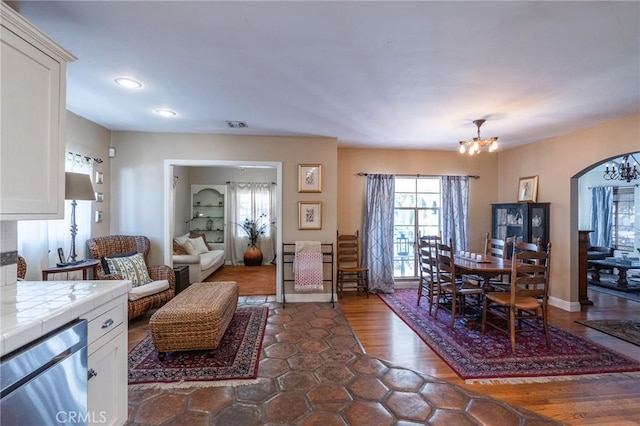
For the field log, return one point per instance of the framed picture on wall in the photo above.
(309, 178)
(310, 215)
(528, 189)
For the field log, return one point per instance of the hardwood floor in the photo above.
(598, 401)
(252, 280)
(606, 400)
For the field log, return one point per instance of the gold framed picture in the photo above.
(309, 178)
(528, 189)
(309, 215)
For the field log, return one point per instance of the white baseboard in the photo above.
(565, 305)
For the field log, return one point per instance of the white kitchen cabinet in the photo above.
(107, 363)
(32, 135)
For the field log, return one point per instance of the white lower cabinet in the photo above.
(107, 363)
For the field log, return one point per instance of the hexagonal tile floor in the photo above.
(314, 372)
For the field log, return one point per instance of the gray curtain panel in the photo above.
(377, 235)
(455, 211)
(602, 216)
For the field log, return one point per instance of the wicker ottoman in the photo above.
(196, 318)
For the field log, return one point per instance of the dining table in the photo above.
(486, 267)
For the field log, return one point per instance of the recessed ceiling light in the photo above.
(128, 83)
(165, 112)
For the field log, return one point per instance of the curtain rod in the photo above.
(612, 186)
(418, 175)
(86, 157)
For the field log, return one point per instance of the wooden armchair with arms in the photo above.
(141, 300)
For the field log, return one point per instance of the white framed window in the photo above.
(417, 211)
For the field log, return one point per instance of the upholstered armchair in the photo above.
(141, 300)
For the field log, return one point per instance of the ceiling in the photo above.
(410, 75)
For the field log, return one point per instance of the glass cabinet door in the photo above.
(521, 222)
(538, 224)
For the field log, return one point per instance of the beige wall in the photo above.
(135, 179)
(138, 178)
(482, 192)
(557, 161)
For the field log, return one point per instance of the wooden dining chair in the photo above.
(496, 247)
(524, 307)
(451, 292)
(350, 272)
(427, 286)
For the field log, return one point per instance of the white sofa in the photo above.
(200, 265)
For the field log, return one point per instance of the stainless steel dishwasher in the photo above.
(45, 382)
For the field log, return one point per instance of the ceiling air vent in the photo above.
(236, 124)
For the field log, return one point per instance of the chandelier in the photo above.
(474, 146)
(622, 171)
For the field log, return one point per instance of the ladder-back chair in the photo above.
(427, 287)
(452, 293)
(351, 274)
(524, 307)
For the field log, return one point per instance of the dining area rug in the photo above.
(487, 358)
(234, 361)
(628, 330)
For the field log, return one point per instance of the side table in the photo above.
(182, 277)
(83, 266)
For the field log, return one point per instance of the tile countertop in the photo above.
(31, 309)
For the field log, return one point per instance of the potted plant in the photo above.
(254, 228)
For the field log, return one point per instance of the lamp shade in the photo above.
(78, 187)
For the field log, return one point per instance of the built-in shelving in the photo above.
(208, 212)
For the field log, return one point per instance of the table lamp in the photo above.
(77, 187)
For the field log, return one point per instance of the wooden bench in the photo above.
(195, 319)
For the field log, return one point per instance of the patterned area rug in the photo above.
(488, 358)
(236, 358)
(628, 330)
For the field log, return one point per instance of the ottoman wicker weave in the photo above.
(196, 318)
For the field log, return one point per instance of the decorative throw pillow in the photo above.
(204, 238)
(198, 246)
(132, 268)
(105, 265)
(181, 239)
(177, 248)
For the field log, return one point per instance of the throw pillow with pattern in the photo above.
(132, 268)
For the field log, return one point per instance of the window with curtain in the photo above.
(38, 240)
(624, 219)
(417, 202)
(250, 200)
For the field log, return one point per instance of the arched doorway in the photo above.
(626, 238)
